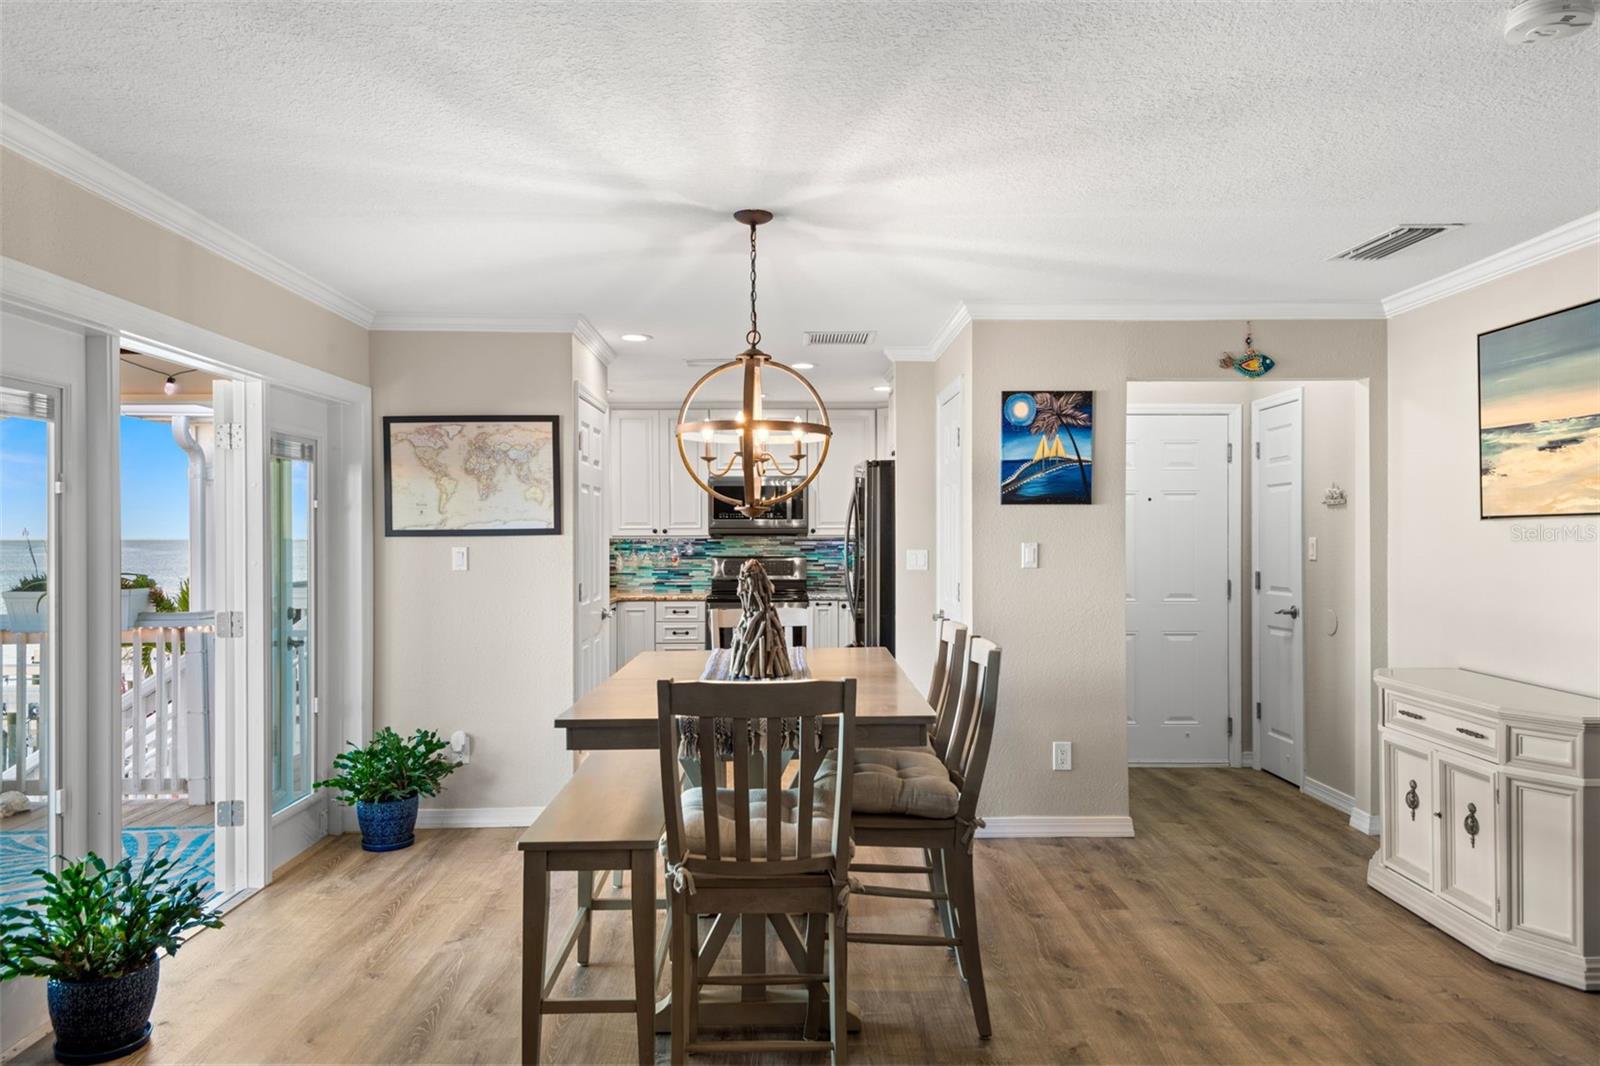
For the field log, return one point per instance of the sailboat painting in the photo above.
(1046, 447)
(1539, 416)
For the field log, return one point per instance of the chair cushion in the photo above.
(694, 825)
(909, 781)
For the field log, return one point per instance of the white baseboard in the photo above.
(1094, 825)
(1342, 802)
(475, 817)
(1177, 765)
(1370, 824)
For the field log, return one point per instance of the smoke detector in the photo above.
(1533, 21)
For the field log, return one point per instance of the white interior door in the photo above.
(950, 490)
(1177, 572)
(1279, 642)
(594, 649)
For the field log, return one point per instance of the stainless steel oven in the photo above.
(788, 517)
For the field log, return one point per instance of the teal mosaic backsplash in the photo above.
(683, 564)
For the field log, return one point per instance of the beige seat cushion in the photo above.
(909, 781)
(694, 825)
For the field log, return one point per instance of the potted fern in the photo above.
(386, 780)
(96, 933)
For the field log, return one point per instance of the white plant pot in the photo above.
(134, 603)
(26, 612)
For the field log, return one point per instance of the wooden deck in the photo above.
(135, 814)
(1236, 927)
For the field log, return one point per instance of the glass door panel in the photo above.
(293, 524)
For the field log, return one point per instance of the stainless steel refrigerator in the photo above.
(869, 556)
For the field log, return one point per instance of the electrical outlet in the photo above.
(458, 558)
(1311, 549)
(1061, 755)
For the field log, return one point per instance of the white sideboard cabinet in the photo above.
(1489, 791)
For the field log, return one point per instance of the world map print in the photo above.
(472, 475)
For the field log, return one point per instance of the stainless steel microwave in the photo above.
(787, 518)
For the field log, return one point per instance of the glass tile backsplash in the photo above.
(683, 564)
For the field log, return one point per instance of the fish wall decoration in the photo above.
(1252, 364)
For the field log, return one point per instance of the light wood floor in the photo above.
(1236, 927)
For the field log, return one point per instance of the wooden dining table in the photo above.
(620, 713)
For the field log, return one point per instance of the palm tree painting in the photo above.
(1046, 447)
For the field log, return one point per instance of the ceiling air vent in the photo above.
(814, 338)
(1386, 244)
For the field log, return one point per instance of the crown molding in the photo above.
(430, 322)
(55, 153)
(591, 339)
(1175, 311)
(959, 320)
(1578, 233)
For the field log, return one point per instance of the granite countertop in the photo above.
(635, 595)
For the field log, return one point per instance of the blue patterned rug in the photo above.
(192, 848)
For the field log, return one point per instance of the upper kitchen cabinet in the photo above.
(651, 493)
(855, 440)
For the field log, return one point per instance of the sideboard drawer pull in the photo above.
(1402, 712)
(1474, 734)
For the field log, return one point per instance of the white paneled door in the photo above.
(1177, 593)
(1278, 585)
(593, 547)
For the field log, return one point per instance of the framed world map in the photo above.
(489, 475)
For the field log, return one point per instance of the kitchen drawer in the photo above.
(680, 610)
(698, 645)
(1542, 749)
(1454, 728)
(691, 633)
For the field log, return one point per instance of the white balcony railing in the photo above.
(166, 705)
(24, 738)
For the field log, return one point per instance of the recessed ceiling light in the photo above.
(883, 388)
(636, 338)
(804, 366)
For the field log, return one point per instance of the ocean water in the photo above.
(1061, 485)
(1541, 468)
(166, 561)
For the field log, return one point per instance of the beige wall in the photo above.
(50, 223)
(1062, 626)
(912, 412)
(1510, 596)
(489, 650)
(1335, 700)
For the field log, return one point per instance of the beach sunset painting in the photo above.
(1539, 416)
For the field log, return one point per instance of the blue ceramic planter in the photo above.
(388, 826)
(96, 1021)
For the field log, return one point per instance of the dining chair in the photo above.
(936, 805)
(757, 849)
(946, 683)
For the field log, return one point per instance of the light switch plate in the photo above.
(1311, 549)
(916, 558)
(1030, 555)
(458, 558)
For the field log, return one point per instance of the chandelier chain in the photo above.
(754, 336)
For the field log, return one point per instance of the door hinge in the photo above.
(1258, 581)
(230, 814)
(1230, 725)
(60, 487)
(230, 435)
(1258, 449)
(1258, 709)
(958, 436)
(58, 801)
(1230, 588)
(1230, 451)
(958, 592)
(230, 624)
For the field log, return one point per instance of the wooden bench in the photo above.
(608, 817)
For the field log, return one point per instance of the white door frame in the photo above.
(582, 394)
(951, 392)
(31, 291)
(1296, 393)
(1233, 412)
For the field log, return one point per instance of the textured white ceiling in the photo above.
(519, 159)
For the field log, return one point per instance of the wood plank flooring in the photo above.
(1236, 927)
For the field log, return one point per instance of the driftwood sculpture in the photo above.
(759, 650)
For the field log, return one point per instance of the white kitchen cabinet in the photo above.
(651, 493)
(635, 630)
(1490, 798)
(824, 629)
(854, 441)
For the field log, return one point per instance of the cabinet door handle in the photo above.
(1470, 823)
(1413, 800)
(1471, 733)
(1403, 713)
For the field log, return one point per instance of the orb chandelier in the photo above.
(769, 479)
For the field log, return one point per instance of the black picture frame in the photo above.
(388, 482)
(1478, 441)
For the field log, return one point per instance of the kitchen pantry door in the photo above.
(594, 559)
(1279, 644)
(1178, 569)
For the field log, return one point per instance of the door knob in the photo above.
(1292, 611)
(938, 616)
(605, 612)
